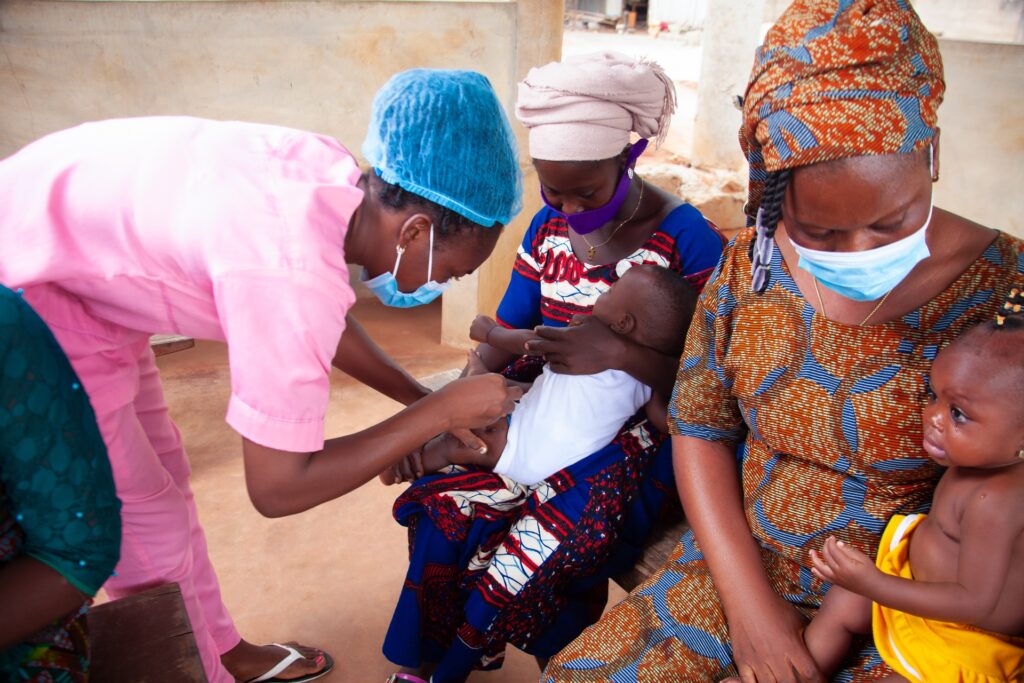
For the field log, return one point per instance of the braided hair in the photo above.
(997, 336)
(1009, 316)
(767, 220)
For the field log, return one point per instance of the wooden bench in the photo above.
(162, 344)
(144, 638)
(663, 540)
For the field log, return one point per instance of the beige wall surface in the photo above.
(313, 65)
(310, 65)
(982, 140)
(986, 20)
(538, 41)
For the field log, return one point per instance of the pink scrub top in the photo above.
(215, 230)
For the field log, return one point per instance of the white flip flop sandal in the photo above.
(290, 658)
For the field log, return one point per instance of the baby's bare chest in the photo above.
(935, 547)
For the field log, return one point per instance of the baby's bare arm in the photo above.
(657, 412)
(487, 331)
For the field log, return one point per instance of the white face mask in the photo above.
(867, 275)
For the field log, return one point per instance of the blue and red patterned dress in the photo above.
(492, 564)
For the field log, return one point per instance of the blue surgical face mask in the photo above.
(385, 286)
(866, 275)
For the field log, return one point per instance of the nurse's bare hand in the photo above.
(473, 402)
(409, 468)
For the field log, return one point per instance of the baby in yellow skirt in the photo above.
(945, 597)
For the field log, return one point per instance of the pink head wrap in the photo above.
(584, 108)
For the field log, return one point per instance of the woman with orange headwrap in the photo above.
(796, 411)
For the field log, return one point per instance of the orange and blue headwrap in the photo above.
(837, 79)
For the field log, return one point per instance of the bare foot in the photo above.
(245, 661)
(475, 364)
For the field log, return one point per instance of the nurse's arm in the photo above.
(362, 359)
(283, 483)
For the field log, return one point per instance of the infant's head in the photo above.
(651, 305)
(975, 411)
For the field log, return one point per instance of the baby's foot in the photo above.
(475, 364)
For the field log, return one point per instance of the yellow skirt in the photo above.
(936, 651)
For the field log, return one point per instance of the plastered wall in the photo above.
(982, 138)
(307, 64)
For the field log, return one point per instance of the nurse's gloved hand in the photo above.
(474, 402)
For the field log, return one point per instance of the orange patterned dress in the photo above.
(827, 419)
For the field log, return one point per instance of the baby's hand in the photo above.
(843, 565)
(481, 327)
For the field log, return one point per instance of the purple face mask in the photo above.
(585, 222)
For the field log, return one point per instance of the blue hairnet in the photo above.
(444, 136)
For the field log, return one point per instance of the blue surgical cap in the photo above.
(443, 135)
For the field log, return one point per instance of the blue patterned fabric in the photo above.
(829, 420)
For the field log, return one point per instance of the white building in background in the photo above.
(688, 13)
(611, 8)
(994, 21)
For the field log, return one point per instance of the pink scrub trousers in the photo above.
(162, 540)
(218, 230)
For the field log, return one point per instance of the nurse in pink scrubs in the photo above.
(241, 232)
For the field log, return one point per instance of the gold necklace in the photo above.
(592, 248)
(821, 304)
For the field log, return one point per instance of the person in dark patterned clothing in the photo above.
(60, 523)
(536, 574)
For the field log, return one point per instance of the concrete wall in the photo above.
(983, 20)
(308, 64)
(982, 139)
(539, 41)
(732, 29)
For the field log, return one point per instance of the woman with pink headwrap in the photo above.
(535, 574)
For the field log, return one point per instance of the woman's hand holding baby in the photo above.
(584, 348)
